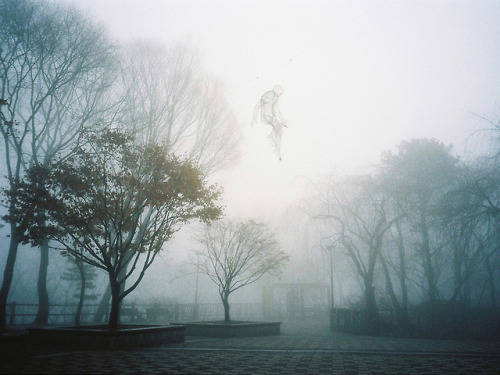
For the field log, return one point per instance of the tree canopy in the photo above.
(117, 201)
(236, 254)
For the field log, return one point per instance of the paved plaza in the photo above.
(310, 350)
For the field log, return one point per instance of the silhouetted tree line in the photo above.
(422, 234)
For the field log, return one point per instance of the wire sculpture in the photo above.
(271, 115)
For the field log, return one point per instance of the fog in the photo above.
(359, 78)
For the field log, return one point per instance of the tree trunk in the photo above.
(429, 272)
(491, 283)
(400, 309)
(114, 315)
(121, 276)
(103, 308)
(81, 268)
(8, 275)
(225, 302)
(371, 317)
(42, 315)
(402, 268)
(493, 294)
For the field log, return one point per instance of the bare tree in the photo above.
(473, 227)
(468, 239)
(485, 186)
(169, 98)
(394, 261)
(237, 254)
(53, 69)
(356, 209)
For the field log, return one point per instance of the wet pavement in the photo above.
(310, 350)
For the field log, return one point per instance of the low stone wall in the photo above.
(102, 337)
(234, 329)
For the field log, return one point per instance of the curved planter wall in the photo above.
(102, 337)
(234, 329)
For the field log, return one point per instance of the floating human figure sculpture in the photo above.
(270, 115)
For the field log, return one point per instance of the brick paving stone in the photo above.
(293, 352)
(157, 361)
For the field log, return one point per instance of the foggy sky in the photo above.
(358, 78)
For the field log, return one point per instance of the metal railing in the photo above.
(25, 313)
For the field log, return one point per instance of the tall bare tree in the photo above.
(357, 211)
(168, 97)
(394, 261)
(54, 66)
(476, 203)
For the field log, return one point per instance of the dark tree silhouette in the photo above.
(418, 177)
(55, 66)
(114, 204)
(356, 209)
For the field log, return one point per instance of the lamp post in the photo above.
(332, 302)
(329, 250)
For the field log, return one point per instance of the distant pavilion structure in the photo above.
(295, 300)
